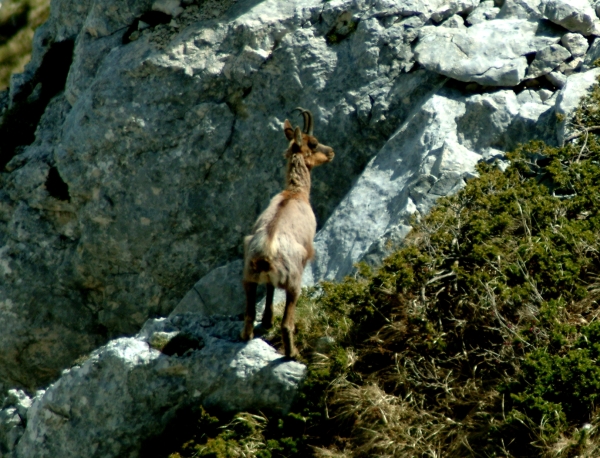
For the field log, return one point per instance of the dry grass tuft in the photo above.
(18, 21)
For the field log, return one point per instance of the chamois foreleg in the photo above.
(267, 319)
(287, 324)
(250, 317)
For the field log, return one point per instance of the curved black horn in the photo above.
(308, 120)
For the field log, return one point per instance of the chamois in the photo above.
(281, 242)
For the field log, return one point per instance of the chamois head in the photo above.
(304, 142)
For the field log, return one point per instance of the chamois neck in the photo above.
(298, 175)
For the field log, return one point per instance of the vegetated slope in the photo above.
(18, 20)
(479, 337)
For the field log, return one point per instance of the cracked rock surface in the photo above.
(491, 53)
(129, 389)
(573, 15)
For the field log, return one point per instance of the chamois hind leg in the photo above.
(287, 324)
(248, 331)
(267, 319)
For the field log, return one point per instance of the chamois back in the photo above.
(281, 242)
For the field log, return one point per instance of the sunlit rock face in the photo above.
(145, 137)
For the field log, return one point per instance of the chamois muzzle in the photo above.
(326, 150)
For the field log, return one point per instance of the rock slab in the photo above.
(131, 388)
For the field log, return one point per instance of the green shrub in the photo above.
(18, 20)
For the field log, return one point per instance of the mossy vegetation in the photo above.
(18, 21)
(478, 337)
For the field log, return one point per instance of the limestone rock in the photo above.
(558, 79)
(571, 66)
(592, 55)
(545, 94)
(428, 156)
(128, 390)
(490, 53)
(573, 15)
(454, 7)
(170, 7)
(576, 87)
(454, 22)
(529, 96)
(547, 59)
(486, 11)
(153, 163)
(218, 292)
(520, 9)
(575, 43)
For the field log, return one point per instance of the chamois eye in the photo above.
(312, 143)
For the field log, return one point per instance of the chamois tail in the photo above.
(259, 265)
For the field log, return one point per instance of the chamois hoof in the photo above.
(292, 354)
(266, 324)
(246, 335)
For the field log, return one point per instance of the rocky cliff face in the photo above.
(145, 137)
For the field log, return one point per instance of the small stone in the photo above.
(170, 7)
(520, 9)
(454, 22)
(547, 60)
(545, 94)
(159, 340)
(592, 55)
(19, 400)
(557, 79)
(529, 96)
(454, 7)
(441, 14)
(576, 43)
(484, 12)
(573, 66)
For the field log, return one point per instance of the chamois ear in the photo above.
(288, 130)
(298, 136)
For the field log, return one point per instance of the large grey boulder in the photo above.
(491, 53)
(131, 388)
(429, 156)
(573, 15)
(520, 9)
(218, 292)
